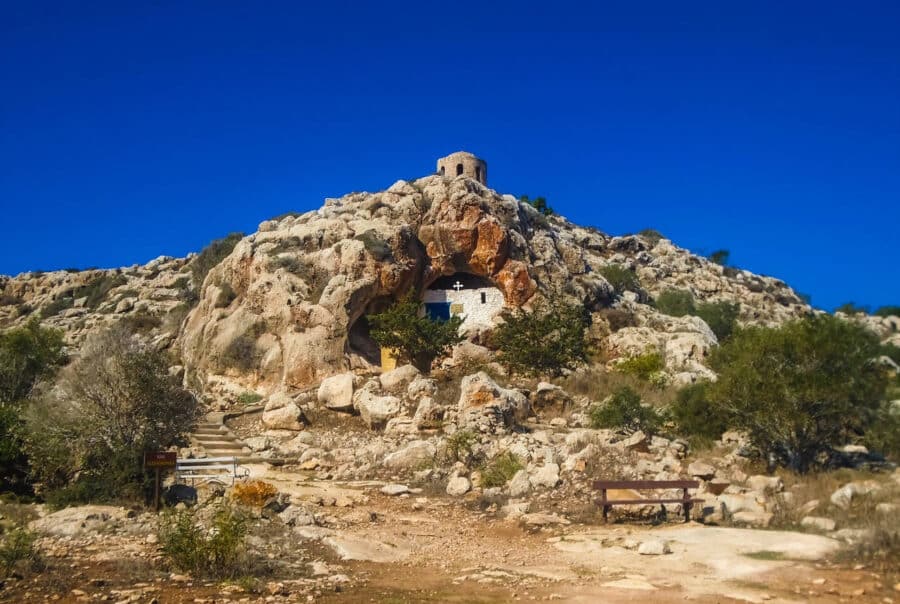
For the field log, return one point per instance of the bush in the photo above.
(500, 470)
(624, 411)
(538, 203)
(883, 435)
(97, 290)
(87, 435)
(643, 366)
(675, 303)
(17, 549)
(652, 236)
(720, 316)
(248, 398)
(212, 255)
(547, 340)
(253, 493)
(850, 308)
(460, 446)
(801, 389)
(720, 257)
(416, 337)
(695, 417)
(888, 311)
(215, 553)
(620, 278)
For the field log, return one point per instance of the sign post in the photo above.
(158, 460)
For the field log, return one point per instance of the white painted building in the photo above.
(478, 303)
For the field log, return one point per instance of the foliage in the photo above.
(620, 278)
(547, 340)
(416, 337)
(675, 303)
(887, 311)
(87, 434)
(883, 435)
(652, 236)
(214, 553)
(28, 355)
(253, 492)
(642, 366)
(538, 203)
(851, 308)
(248, 398)
(891, 351)
(695, 417)
(498, 471)
(720, 316)
(720, 257)
(625, 411)
(800, 389)
(17, 547)
(460, 446)
(212, 255)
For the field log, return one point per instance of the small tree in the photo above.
(720, 257)
(417, 338)
(720, 316)
(675, 303)
(89, 432)
(538, 203)
(622, 279)
(625, 411)
(801, 389)
(544, 341)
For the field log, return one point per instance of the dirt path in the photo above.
(414, 548)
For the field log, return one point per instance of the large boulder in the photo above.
(398, 379)
(336, 392)
(411, 456)
(375, 410)
(487, 407)
(281, 413)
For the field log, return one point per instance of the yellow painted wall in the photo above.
(388, 359)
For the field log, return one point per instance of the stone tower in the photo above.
(462, 163)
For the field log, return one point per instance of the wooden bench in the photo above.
(219, 469)
(685, 500)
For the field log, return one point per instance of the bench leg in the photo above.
(606, 513)
(686, 506)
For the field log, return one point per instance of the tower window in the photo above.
(478, 173)
(483, 298)
(459, 169)
(442, 170)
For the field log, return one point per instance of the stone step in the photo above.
(211, 430)
(217, 436)
(221, 445)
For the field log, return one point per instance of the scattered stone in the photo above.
(547, 476)
(818, 523)
(765, 484)
(394, 489)
(701, 470)
(519, 485)
(398, 379)
(845, 495)
(336, 392)
(412, 456)
(458, 486)
(654, 547)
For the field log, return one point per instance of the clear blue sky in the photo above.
(134, 129)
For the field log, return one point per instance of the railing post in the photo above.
(686, 505)
(605, 505)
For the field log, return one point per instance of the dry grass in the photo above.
(597, 383)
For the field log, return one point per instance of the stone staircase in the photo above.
(217, 440)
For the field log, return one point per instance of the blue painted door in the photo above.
(438, 311)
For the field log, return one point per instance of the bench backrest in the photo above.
(646, 484)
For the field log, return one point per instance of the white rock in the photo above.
(765, 484)
(654, 547)
(485, 405)
(421, 387)
(818, 523)
(458, 486)
(757, 519)
(394, 489)
(375, 410)
(413, 455)
(336, 392)
(845, 495)
(398, 379)
(546, 476)
(701, 470)
(519, 485)
(283, 418)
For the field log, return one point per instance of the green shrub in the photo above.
(547, 340)
(248, 398)
(625, 411)
(620, 278)
(64, 302)
(720, 316)
(498, 471)
(891, 351)
(217, 552)
(96, 290)
(720, 257)
(883, 435)
(460, 446)
(888, 311)
(643, 366)
(850, 308)
(212, 255)
(652, 236)
(538, 203)
(695, 417)
(86, 436)
(375, 245)
(17, 549)
(675, 303)
(416, 338)
(801, 389)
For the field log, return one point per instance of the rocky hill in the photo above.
(286, 308)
